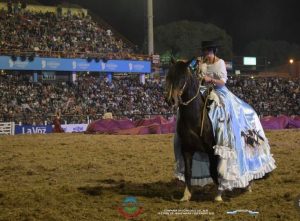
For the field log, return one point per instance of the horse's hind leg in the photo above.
(188, 159)
(213, 167)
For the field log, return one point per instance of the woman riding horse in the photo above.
(239, 140)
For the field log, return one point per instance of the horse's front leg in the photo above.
(219, 198)
(249, 187)
(188, 160)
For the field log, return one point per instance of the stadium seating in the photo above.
(47, 34)
(90, 96)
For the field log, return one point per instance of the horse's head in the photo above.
(176, 81)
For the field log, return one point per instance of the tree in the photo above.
(183, 39)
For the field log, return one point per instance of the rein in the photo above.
(204, 110)
(193, 98)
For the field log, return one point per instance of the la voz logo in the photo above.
(130, 208)
(33, 129)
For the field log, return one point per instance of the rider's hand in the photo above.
(200, 60)
(207, 79)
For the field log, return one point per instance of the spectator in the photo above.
(108, 114)
(9, 7)
(23, 5)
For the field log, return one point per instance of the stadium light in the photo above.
(291, 61)
(150, 27)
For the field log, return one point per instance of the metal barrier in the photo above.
(7, 128)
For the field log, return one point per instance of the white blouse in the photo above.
(216, 70)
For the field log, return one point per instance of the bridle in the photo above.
(194, 97)
(201, 79)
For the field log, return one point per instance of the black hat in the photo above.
(209, 44)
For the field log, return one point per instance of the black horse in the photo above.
(193, 126)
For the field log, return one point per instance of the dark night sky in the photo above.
(243, 20)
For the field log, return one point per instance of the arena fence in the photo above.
(7, 128)
(36, 119)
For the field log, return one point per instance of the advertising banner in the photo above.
(75, 65)
(29, 129)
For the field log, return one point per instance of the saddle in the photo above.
(211, 96)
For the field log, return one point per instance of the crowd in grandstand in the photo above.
(89, 96)
(65, 36)
(269, 96)
(92, 96)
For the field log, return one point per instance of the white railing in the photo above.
(7, 128)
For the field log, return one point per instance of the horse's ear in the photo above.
(173, 61)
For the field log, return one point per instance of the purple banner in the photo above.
(294, 122)
(160, 125)
(157, 125)
(280, 122)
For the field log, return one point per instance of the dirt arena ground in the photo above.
(86, 177)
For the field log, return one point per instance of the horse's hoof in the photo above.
(218, 199)
(185, 199)
(187, 195)
(249, 189)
